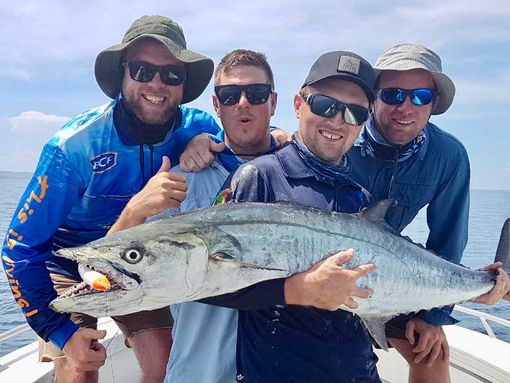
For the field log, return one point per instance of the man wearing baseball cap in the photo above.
(86, 175)
(290, 330)
(401, 155)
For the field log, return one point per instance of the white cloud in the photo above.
(481, 90)
(46, 46)
(33, 124)
(25, 136)
(68, 35)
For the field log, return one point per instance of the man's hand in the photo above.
(432, 341)
(199, 153)
(281, 137)
(165, 190)
(501, 289)
(83, 351)
(327, 285)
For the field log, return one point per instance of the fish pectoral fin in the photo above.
(223, 257)
(376, 326)
(376, 211)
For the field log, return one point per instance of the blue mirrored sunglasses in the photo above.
(397, 96)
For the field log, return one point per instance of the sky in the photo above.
(48, 49)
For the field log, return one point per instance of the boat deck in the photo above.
(121, 366)
(474, 357)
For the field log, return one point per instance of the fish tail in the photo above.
(503, 251)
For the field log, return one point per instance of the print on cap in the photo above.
(349, 64)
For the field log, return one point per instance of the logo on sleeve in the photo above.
(103, 162)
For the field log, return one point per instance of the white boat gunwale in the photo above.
(470, 360)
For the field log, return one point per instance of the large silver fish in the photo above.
(224, 248)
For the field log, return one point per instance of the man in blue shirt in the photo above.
(401, 155)
(244, 99)
(296, 339)
(88, 172)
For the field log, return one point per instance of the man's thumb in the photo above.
(217, 147)
(165, 165)
(100, 334)
(94, 334)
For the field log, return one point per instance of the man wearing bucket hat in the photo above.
(285, 331)
(403, 156)
(86, 175)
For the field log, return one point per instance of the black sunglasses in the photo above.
(328, 107)
(142, 71)
(397, 96)
(257, 94)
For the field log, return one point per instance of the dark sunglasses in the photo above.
(328, 107)
(397, 96)
(257, 94)
(142, 71)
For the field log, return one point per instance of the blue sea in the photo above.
(489, 209)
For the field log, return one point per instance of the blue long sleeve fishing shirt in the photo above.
(86, 175)
(436, 176)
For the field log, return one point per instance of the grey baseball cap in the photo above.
(403, 57)
(346, 66)
(109, 71)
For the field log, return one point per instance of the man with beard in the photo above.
(86, 175)
(294, 332)
(401, 155)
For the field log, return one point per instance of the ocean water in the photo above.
(488, 211)
(12, 186)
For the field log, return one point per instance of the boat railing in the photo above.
(14, 332)
(484, 319)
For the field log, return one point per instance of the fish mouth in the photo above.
(121, 280)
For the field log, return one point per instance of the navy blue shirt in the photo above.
(436, 176)
(293, 343)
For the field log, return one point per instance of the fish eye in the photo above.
(133, 255)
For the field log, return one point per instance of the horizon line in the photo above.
(471, 188)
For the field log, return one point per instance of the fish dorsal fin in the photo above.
(377, 211)
(376, 327)
(503, 251)
(409, 239)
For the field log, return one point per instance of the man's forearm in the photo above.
(260, 296)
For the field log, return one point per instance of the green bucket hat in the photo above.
(109, 71)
